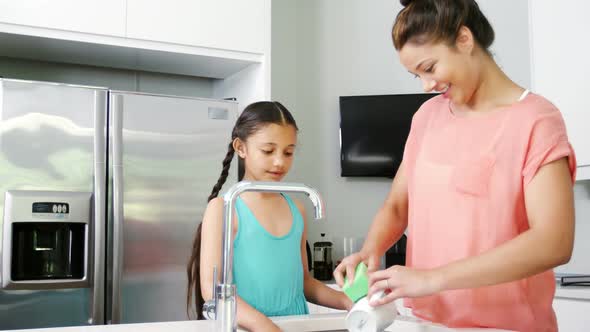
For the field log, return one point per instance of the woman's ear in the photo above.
(239, 147)
(465, 42)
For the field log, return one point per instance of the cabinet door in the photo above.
(105, 17)
(221, 24)
(559, 71)
(572, 315)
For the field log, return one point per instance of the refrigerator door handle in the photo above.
(98, 224)
(117, 150)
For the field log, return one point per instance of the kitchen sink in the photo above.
(335, 322)
(315, 322)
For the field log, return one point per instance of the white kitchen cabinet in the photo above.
(228, 40)
(559, 54)
(236, 25)
(105, 17)
(572, 314)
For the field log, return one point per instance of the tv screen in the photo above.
(373, 132)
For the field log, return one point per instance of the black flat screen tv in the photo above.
(373, 132)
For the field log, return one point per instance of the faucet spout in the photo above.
(226, 294)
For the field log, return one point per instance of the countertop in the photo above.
(319, 322)
(572, 292)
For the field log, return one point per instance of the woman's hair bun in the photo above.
(405, 2)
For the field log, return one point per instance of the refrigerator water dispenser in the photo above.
(45, 240)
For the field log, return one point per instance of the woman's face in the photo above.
(268, 153)
(442, 68)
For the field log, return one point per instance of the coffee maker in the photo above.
(322, 259)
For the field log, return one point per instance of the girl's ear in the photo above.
(239, 147)
(465, 42)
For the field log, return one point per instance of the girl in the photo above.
(269, 230)
(485, 185)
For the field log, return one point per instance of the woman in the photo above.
(484, 189)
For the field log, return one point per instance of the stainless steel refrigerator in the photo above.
(101, 192)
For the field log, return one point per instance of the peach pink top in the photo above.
(466, 180)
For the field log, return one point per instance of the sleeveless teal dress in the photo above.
(267, 270)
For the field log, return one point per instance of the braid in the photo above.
(193, 271)
(224, 172)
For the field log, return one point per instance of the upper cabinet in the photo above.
(559, 71)
(105, 17)
(207, 38)
(236, 25)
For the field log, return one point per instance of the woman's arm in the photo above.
(389, 224)
(316, 291)
(546, 244)
(248, 317)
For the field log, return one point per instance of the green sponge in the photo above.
(360, 285)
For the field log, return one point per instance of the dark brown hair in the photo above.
(253, 118)
(425, 21)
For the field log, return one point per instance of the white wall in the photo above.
(580, 261)
(325, 49)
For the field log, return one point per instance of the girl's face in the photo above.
(444, 69)
(268, 153)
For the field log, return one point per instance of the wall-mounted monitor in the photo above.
(373, 132)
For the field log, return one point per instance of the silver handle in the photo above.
(98, 224)
(117, 150)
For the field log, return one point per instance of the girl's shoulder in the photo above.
(300, 206)
(214, 211)
(295, 202)
(213, 216)
(215, 204)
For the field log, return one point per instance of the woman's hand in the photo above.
(400, 281)
(348, 266)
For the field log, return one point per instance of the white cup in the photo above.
(365, 318)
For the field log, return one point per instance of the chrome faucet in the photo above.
(223, 306)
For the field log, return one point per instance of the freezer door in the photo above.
(166, 155)
(52, 138)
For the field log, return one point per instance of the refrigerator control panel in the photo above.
(50, 209)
